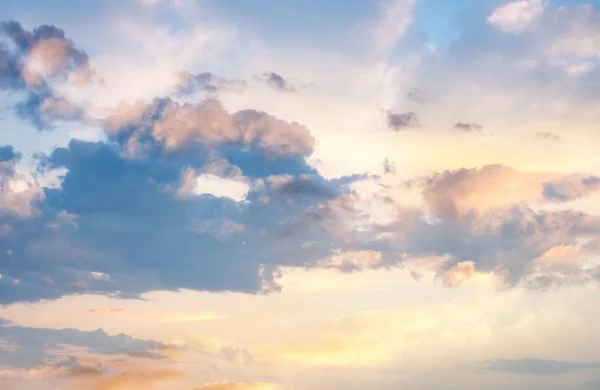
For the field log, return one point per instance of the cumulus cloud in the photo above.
(38, 62)
(42, 55)
(481, 222)
(185, 182)
(496, 186)
(176, 125)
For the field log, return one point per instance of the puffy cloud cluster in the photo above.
(483, 221)
(142, 209)
(36, 62)
(174, 126)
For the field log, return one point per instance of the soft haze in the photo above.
(299, 195)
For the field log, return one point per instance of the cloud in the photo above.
(240, 386)
(18, 193)
(173, 126)
(468, 127)
(592, 385)
(419, 96)
(496, 186)
(189, 84)
(8, 154)
(34, 346)
(43, 109)
(353, 260)
(149, 194)
(105, 310)
(65, 367)
(395, 17)
(516, 16)
(482, 222)
(537, 366)
(146, 379)
(40, 56)
(39, 62)
(277, 82)
(548, 135)
(401, 121)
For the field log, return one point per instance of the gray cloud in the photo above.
(419, 96)
(469, 216)
(549, 136)
(468, 127)
(277, 82)
(189, 83)
(401, 121)
(537, 366)
(593, 385)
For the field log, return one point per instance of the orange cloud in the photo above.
(143, 379)
(453, 193)
(240, 386)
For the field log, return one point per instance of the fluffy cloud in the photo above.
(483, 221)
(494, 187)
(38, 62)
(144, 205)
(177, 125)
(517, 16)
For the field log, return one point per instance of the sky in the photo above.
(299, 195)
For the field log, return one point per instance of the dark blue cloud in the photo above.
(7, 153)
(30, 347)
(118, 212)
(120, 215)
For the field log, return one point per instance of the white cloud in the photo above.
(396, 16)
(517, 16)
(221, 187)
